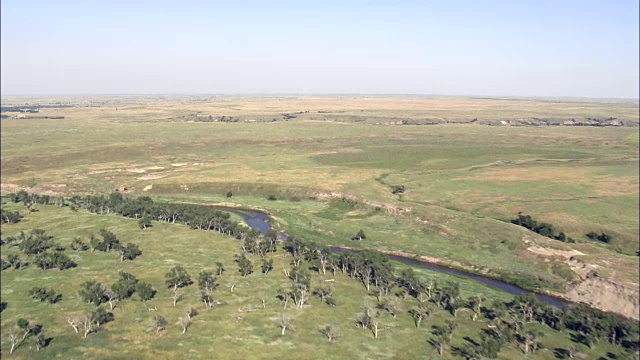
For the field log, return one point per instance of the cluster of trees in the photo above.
(24, 331)
(142, 208)
(43, 294)
(600, 237)
(9, 217)
(542, 228)
(46, 253)
(110, 242)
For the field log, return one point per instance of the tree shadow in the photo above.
(561, 353)
(56, 299)
(471, 341)
(3, 306)
(579, 339)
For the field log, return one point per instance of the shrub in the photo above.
(272, 198)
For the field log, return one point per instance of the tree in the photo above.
(359, 235)
(323, 292)
(330, 332)
(475, 304)
(285, 322)
(43, 294)
(23, 324)
(191, 313)
(108, 243)
(267, 266)
(145, 291)
(244, 264)
(92, 292)
(78, 245)
(129, 252)
(284, 295)
(75, 322)
(530, 341)
(185, 321)
(177, 277)
(13, 339)
(100, 316)
(159, 323)
(37, 242)
(206, 281)
(125, 286)
(177, 295)
(219, 268)
(442, 338)
(420, 313)
(144, 222)
(392, 305)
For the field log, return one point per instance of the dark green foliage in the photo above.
(9, 217)
(78, 245)
(92, 292)
(125, 286)
(542, 228)
(44, 294)
(109, 241)
(101, 316)
(48, 260)
(129, 252)
(272, 198)
(145, 291)
(244, 264)
(144, 222)
(600, 237)
(178, 277)
(37, 242)
(359, 235)
(398, 189)
(267, 266)
(206, 281)
(229, 194)
(195, 216)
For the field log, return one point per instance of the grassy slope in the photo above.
(214, 334)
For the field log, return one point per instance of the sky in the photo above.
(449, 47)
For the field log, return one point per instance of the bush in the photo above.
(229, 194)
(272, 198)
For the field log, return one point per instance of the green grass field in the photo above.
(463, 182)
(215, 333)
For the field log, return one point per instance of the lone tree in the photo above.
(244, 264)
(219, 268)
(330, 332)
(185, 321)
(159, 323)
(206, 281)
(420, 313)
(360, 235)
(267, 266)
(285, 322)
(177, 277)
(44, 294)
(129, 252)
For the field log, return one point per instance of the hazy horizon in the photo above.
(568, 49)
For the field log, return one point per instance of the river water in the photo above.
(261, 221)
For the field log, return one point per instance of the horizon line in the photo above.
(329, 94)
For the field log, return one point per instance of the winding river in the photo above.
(261, 221)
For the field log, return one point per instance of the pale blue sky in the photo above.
(510, 48)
